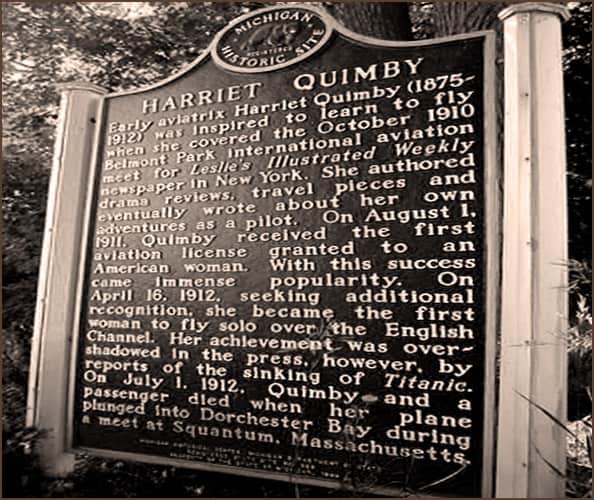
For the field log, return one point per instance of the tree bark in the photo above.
(451, 18)
(386, 20)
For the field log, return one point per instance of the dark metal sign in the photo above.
(290, 266)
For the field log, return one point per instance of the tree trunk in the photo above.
(451, 18)
(386, 20)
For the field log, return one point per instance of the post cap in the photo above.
(528, 7)
(77, 85)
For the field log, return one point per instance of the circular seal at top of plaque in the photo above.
(270, 38)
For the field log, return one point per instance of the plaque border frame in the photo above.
(492, 259)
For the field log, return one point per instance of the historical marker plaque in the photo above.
(287, 255)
